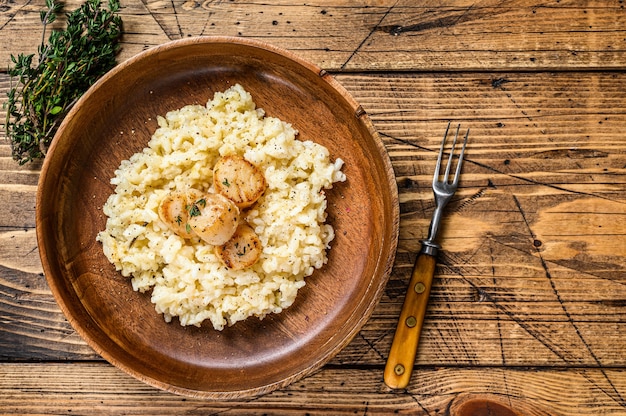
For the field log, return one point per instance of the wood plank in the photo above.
(484, 332)
(532, 270)
(384, 35)
(99, 388)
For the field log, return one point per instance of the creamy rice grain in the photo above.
(186, 278)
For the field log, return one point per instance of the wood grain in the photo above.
(405, 343)
(383, 35)
(511, 262)
(519, 285)
(102, 389)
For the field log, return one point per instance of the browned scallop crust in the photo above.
(171, 211)
(239, 180)
(214, 218)
(242, 250)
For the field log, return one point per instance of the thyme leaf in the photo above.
(194, 210)
(41, 93)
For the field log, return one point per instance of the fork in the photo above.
(405, 341)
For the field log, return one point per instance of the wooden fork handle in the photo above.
(404, 346)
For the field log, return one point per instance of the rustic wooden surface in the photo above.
(528, 308)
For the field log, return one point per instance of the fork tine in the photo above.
(460, 161)
(456, 136)
(438, 166)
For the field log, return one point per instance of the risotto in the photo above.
(185, 276)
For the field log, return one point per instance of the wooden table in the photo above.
(528, 309)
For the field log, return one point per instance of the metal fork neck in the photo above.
(430, 246)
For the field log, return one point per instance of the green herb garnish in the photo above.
(72, 60)
(193, 209)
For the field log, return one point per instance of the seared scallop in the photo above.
(174, 212)
(242, 250)
(238, 180)
(213, 218)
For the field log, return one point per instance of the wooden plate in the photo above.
(115, 119)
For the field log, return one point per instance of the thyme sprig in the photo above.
(70, 62)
